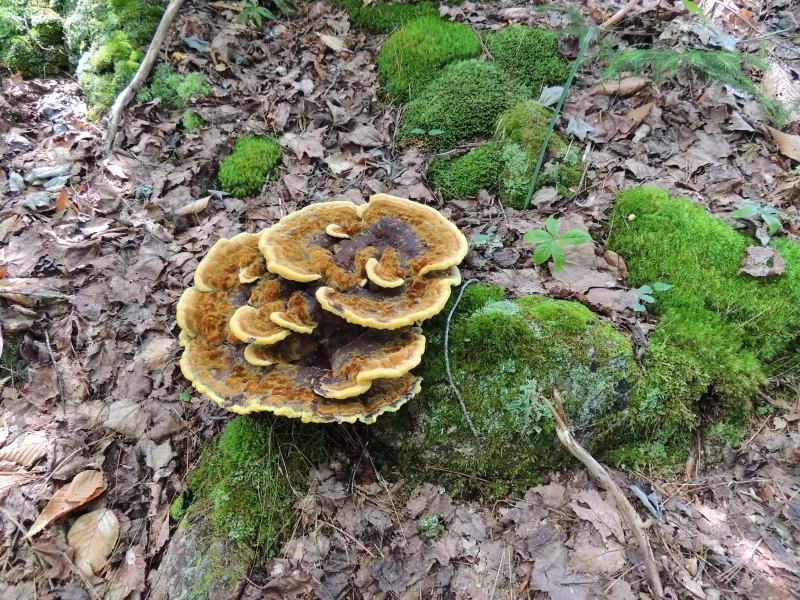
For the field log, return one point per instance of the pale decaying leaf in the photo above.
(334, 43)
(158, 352)
(193, 208)
(763, 261)
(621, 87)
(84, 487)
(93, 537)
(788, 145)
(26, 449)
(600, 513)
(129, 577)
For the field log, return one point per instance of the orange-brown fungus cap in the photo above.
(372, 355)
(301, 314)
(386, 272)
(230, 263)
(419, 298)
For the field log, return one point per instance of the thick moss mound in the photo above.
(467, 175)
(385, 17)
(173, 88)
(31, 39)
(528, 55)
(504, 354)
(414, 55)
(244, 482)
(463, 103)
(243, 172)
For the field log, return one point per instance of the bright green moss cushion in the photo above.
(414, 55)
(465, 176)
(529, 55)
(244, 171)
(385, 17)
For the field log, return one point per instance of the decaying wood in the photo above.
(624, 505)
(142, 72)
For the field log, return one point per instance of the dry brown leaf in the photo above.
(763, 262)
(334, 43)
(63, 199)
(129, 577)
(158, 353)
(621, 87)
(193, 207)
(93, 537)
(634, 118)
(26, 449)
(84, 487)
(788, 145)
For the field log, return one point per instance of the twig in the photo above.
(58, 373)
(141, 73)
(447, 357)
(556, 112)
(617, 16)
(625, 507)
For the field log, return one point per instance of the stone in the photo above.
(37, 201)
(15, 182)
(40, 174)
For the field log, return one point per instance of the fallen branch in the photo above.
(141, 73)
(617, 17)
(624, 505)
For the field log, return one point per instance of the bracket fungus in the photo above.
(317, 316)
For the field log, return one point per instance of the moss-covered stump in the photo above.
(503, 355)
(414, 55)
(720, 331)
(244, 171)
(462, 104)
(244, 485)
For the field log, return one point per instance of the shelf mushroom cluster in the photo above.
(317, 316)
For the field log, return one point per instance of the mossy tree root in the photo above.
(624, 505)
(142, 72)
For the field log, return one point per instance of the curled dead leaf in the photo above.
(788, 145)
(84, 487)
(92, 538)
(334, 43)
(26, 450)
(621, 87)
(763, 262)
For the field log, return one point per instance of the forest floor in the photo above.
(90, 276)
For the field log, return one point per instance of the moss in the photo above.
(504, 354)
(177, 509)
(191, 121)
(20, 57)
(528, 55)
(467, 175)
(464, 102)
(526, 124)
(12, 365)
(245, 479)
(719, 331)
(30, 39)
(173, 88)
(243, 172)
(47, 28)
(413, 55)
(385, 17)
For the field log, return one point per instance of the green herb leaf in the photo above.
(646, 298)
(537, 236)
(417, 131)
(559, 258)
(480, 237)
(693, 8)
(436, 132)
(746, 210)
(185, 396)
(552, 225)
(639, 307)
(661, 287)
(773, 222)
(575, 237)
(645, 289)
(543, 252)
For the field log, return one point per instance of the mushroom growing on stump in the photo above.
(315, 317)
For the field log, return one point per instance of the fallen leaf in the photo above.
(334, 43)
(26, 449)
(158, 353)
(63, 199)
(763, 261)
(366, 136)
(193, 207)
(600, 513)
(788, 145)
(340, 162)
(599, 561)
(308, 143)
(84, 487)
(93, 537)
(635, 118)
(129, 577)
(621, 87)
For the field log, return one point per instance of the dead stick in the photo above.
(141, 73)
(617, 17)
(599, 471)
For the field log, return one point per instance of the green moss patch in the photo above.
(414, 55)
(31, 39)
(467, 175)
(244, 482)
(244, 171)
(464, 103)
(504, 354)
(191, 121)
(385, 17)
(174, 88)
(528, 55)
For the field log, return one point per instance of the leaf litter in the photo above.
(91, 267)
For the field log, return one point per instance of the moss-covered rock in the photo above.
(243, 485)
(174, 88)
(31, 39)
(243, 172)
(528, 55)
(467, 175)
(464, 103)
(504, 354)
(414, 55)
(385, 17)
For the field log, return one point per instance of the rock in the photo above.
(15, 182)
(56, 183)
(37, 201)
(40, 174)
(197, 566)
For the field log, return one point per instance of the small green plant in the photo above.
(430, 527)
(645, 294)
(772, 217)
(13, 368)
(244, 171)
(177, 509)
(549, 243)
(795, 171)
(191, 121)
(174, 88)
(253, 12)
(420, 131)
